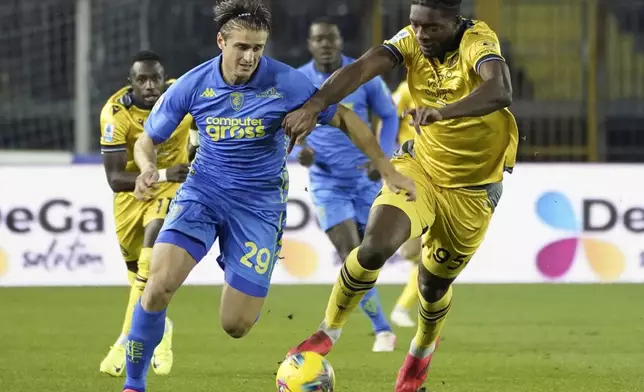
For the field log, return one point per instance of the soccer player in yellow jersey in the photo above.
(139, 222)
(466, 138)
(410, 250)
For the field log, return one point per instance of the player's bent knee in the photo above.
(373, 253)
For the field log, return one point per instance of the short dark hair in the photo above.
(450, 6)
(247, 14)
(146, 55)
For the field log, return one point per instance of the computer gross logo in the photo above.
(604, 258)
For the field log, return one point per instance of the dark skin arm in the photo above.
(343, 82)
(495, 93)
(118, 179)
(192, 151)
(376, 61)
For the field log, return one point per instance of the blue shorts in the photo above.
(336, 203)
(249, 240)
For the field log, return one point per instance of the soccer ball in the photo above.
(305, 372)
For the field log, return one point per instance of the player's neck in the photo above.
(328, 68)
(231, 79)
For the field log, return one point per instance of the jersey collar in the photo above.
(254, 82)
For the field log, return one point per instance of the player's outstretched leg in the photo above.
(400, 316)
(435, 299)
(170, 266)
(388, 228)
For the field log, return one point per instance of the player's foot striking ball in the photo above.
(304, 372)
(466, 138)
(237, 187)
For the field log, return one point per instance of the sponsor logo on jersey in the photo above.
(401, 34)
(220, 128)
(270, 93)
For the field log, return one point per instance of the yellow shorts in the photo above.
(132, 215)
(452, 222)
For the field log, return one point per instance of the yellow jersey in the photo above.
(122, 124)
(466, 151)
(403, 101)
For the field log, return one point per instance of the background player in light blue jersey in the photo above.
(238, 184)
(343, 182)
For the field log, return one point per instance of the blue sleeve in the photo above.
(301, 89)
(380, 100)
(169, 111)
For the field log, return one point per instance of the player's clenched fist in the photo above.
(178, 173)
(146, 183)
(306, 156)
(423, 116)
(299, 124)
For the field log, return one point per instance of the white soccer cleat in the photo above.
(401, 318)
(385, 342)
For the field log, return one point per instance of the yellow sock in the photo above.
(352, 284)
(131, 277)
(431, 317)
(409, 296)
(141, 278)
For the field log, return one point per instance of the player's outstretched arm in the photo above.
(343, 82)
(346, 80)
(495, 93)
(360, 134)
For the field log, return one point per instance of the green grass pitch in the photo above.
(500, 338)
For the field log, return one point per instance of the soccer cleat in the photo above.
(131, 390)
(163, 358)
(412, 374)
(401, 318)
(385, 342)
(319, 343)
(114, 363)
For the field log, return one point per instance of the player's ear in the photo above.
(221, 41)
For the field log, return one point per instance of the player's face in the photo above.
(325, 43)
(147, 79)
(433, 28)
(242, 49)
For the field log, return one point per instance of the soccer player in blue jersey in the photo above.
(238, 184)
(343, 183)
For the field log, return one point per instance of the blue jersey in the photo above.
(336, 158)
(242, 153)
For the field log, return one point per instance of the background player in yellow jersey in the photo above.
(400, 315)
(138, 222)
(466, 138)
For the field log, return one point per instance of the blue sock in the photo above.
(145, 335)
(371, 306)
